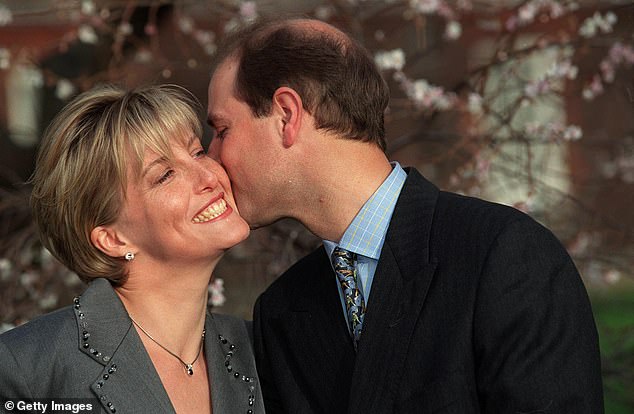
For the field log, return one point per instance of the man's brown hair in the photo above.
(335, 76)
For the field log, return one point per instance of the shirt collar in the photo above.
(366, 234)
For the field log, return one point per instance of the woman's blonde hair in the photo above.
(81, 169)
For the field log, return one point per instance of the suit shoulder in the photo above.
(472, 221)
(476, 215)
(465, 223)
(471, 207)
(36, 344)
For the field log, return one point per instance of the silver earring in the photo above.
(129, 256)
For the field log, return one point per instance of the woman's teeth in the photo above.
(211, 212)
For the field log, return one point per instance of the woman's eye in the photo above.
(165, 176)
(200, 153)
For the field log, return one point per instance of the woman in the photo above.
(125, 196)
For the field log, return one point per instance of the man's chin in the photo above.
(258, 222)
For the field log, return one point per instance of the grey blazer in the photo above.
(90, 350)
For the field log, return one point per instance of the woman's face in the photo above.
(180, 209)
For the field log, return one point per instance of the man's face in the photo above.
(246, 147)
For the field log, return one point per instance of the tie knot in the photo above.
(343, 259)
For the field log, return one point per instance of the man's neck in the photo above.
(344, 185)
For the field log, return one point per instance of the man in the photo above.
(419, 300)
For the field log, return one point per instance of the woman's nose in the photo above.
(208, 175)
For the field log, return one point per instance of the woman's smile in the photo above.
(216, 209)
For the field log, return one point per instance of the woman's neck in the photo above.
(169, 306)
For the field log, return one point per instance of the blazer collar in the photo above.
(231, 370)
(315, 331)
(410, 228)
(315, 334)
(128, 381)
(102, 321)
(404, 273)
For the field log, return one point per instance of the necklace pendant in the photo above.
(189, 368)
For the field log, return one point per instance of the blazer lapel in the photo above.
(315, 335)
(232, 377)
(400, 285)
(128, 381)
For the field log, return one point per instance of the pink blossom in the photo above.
(64, 90)
(425, 95)
(530, 10)
(483, 166)
(596, 86)
(150, 29)
(466, 5)
(527, 12)
(607, 71)
(87, 34)
(611, 276)
(216, 291)
(5, 58)
(248, 10)
(88, 7)
(581, 244)
(425, 6)
(6, 16)
(186, 24)
(393, 59)
(474, 104)
(511, 23)
(453, 30)
(556, 10)
(125, 29)
(597, 23)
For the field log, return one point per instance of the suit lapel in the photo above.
(398, 293)
(315, 334)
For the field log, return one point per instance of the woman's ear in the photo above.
(287, 104)
(108, 241)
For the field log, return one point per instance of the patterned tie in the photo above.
(343, 262)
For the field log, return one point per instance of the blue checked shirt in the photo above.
(366, 234)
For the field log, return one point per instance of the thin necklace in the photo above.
(188, 367)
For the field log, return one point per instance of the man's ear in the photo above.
(287, 104)
(107, 240)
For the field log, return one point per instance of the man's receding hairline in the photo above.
(305, 27)
(301, 26)
(308, 25)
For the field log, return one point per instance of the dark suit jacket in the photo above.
(474, 308)
(48, 358)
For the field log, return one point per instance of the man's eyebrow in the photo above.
(214, 119)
